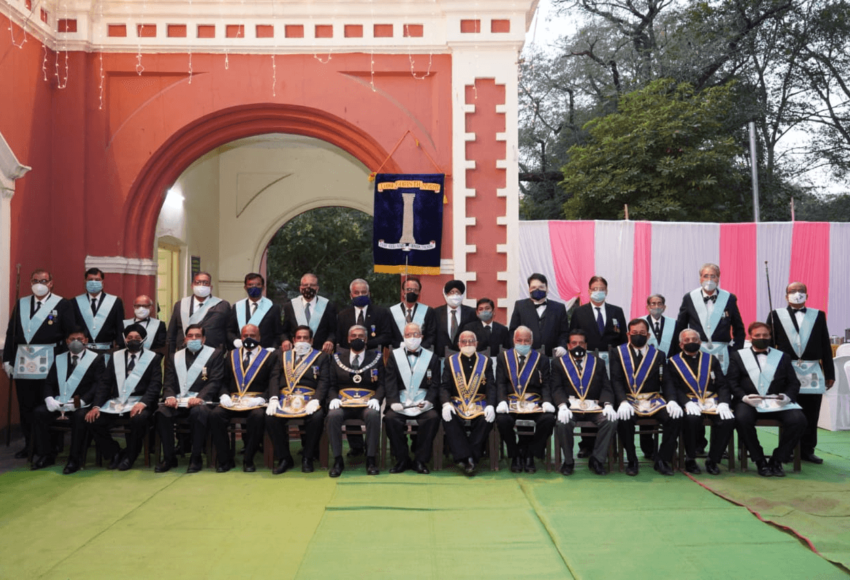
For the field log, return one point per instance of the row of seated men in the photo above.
(717, 321)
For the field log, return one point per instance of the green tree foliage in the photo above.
(335, 243)
(666, 153)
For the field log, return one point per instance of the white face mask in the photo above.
(40, 290)
(468, 350)
(142, 313)
(412, 344)
(709, 285)
(454, 300)
(302, 348)
(797, 298)
(598, 295)
(202, 291)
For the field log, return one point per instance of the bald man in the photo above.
(144, 310)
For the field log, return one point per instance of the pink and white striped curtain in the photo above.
(643, 258)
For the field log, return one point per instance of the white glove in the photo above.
(273, 407)
(625, 412)
(724, 411)
(334, 404)
(374, 404)
(692, 408)
(255, 402)
(674, 410)
(609, 412)
(225, 401)
(752, 400)
(397, 407)
(237, 343)
(489, 413)
(9, 369)
(564, 414)
(548, 407)
(52, 404)
(312, 407)
(502, 407)
(559, 351)
(783, 400)
(448, 411)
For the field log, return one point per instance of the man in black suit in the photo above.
(764, 384)
(522, 389)
(582, 392)
(132, 384)
(802, 334)
(143, 306)
(490, 334)
(39, 321)
(411, 310)
(356, 392)
(193, 379)
(375, 319)
(202, 308)
(252, 377)
(452, 317)
(636, 375)
(701, 388)
(258, 310)
(314, 311)
(71, 385)
(546, 318)
(101, 313)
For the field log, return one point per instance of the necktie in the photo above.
(409, 317)
(657, 328)
(94, 305)
(487, 331)
(600, 323)
(131, 365)
(521, 360)
(454, 323)
(578, 364)
(638, 358)
(361, 318)
(74, 360)
(355, 364)
(37, 306)
(246, 362)
(307, 312)
(254, 310)
(712, 298)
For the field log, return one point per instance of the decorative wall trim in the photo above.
(122, 265)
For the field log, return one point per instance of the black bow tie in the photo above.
(541, 304)
(795, 310)
(416, 353)
(713, 298)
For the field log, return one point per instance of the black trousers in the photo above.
(278, 428)
(43, 420)
(30, 397)
(793, 426)
(199, 420)
(605, 430)
(670, 434)
(370, 416)
(465, 446)
(693, 431)
(811, 409)
(108, 446)
(428, 424)
(219, 421)
(524, 445)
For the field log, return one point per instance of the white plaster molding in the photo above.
(469, 137)
(470, 249)
(502, 276)
(502, 220)
(470, 222)
(122, 265)
(447, 266)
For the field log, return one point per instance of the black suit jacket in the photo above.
(46, 334)
(267, 381)
(270, 326)
(730, 328)
(538, 385)
(429, 329)
(448, 389)
(379, 323)
(149, 387)
(394, 383)
(325, 332)
(562, 389)
(654, 381)
(159, 339)
(444, 339)
(341, 379)
(615, 326)
(500, 336)
(818, 347)
(113, 327)
(207, 389)
(214, 325)
(89, 384)
(555, 328)
(784, 381)
(718, 384)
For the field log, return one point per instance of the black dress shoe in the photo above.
(72, 466)
(248, 466)
(115, 461)
(401, 466)
(583, 453)
(764, 469)
(355, 452)
(283, 465)
(711, 467)
(125, 464)
(632, 467)
(41, 462)
(421, 468)
(663, 467)
(469, 467)
(338, 467)
(516, 464)
(162, 466)
(596, 466)
(195, 465)
(692, 467)
(529, 465)
(306, 465)
(23, 453)
(223, 467)
(776, 468)
(811, 458)
(567, 468)
(371, 466)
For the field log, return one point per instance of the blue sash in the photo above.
(412, 379)
(152, 327)
(399, 316)
(68, 386)
(697, 384)
(762, 377)
(810, 373)
(469, 403)
(199, 314)
(123, 402)
(580, 382)
(263, 306)
(244, 377)
(636, 379)
(315, 316)
(521, 377)
(666, 334)
(31, 325)
(95, 323)
(709, 324)
(187, 377)
(292, 372)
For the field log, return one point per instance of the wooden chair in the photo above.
(594, 433)
(240, 424)
(441, 450)
(181, 427)
(730, 449)
(411, 429)
(122, 427)
(743, 456)
(646, 426)
(525, 428)
(61, 429)
(296, 432)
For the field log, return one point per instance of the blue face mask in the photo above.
(360, 301)
(523, 349)
(598, 296)
(254, 292)
(94, 286)
(538, 294)
(194, 345)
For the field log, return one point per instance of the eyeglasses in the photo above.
(202, 283)
(42, 281)
(468, 342)
(413, 335)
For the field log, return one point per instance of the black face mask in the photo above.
(578, 352)
(249, 343)
(358, 344)
(308, 293)
(761, 343)
(411, 297)
(638, 340)
(134, 345)
(691, 347)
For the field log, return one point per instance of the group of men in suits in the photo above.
(79, 362)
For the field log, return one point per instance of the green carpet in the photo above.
(138, 524)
